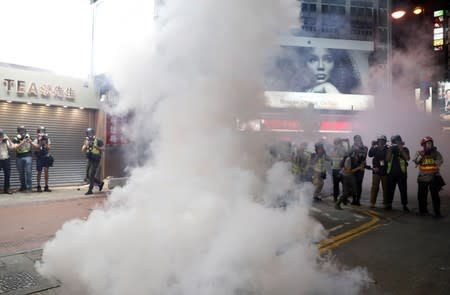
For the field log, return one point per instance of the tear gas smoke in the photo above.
(197, 218)
(397, 111)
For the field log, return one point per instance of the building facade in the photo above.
(64, 106)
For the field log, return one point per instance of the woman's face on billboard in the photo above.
(320, 62)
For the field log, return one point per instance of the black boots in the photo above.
(46, 189)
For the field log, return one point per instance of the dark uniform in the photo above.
(397, 157)
(93, 153)
(352, 165)
(378, 152)
(361, 155)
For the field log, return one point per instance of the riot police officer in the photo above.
(93, 148)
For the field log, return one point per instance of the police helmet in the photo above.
(40, 129)
(425, 140)
(396, 139)
(21, 130)
(382, 137)
(90, 131)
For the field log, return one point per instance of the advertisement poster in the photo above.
(331, 74)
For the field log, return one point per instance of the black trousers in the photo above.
(337, 178)
(399, 179)
(92, 172)
(422, 197)
(359, 177)
(5, 165)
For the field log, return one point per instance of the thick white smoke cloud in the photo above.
(198, 217)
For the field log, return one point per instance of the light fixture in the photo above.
(9, 101)
(47, 104)
(29, 102)
(398, 14)
(65, 107)
(81, 108)
(418, 10)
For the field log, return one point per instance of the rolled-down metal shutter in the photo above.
(66, 128)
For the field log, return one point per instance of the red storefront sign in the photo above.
(295, 125)
(280, 124)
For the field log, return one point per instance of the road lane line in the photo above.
(335, 228)
(338, 240)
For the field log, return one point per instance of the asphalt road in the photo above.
(404, 253)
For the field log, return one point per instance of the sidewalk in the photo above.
(57, 193)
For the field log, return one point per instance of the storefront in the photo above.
(65, 106)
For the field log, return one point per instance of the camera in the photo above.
(42, 136)
(89, 143)
(23, 136)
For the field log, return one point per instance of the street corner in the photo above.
(18, 275)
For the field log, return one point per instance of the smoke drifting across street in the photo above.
(197, 217)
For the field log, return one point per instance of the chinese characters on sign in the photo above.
(115, 129)
(21, 88)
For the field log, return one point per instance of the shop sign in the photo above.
(32, 89)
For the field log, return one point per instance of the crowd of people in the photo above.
(24, 146)
(347, 164)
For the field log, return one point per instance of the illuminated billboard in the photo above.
(330, 74)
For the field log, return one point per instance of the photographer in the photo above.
(93, 148)
(337, 157)
(319, 170)
(42, 146)
(352, 166)
(22, 143)
(397, 157)
(429, 160)
(378, 152)
(361, 155)
(5, 163)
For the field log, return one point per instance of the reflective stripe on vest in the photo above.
(94, 150)
(26, 148)
(428, 164)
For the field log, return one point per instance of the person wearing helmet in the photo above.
(352, 165)
(93, 148)
(44, 160)
(5, 164)
(338, 153)
(23, 145)
(300, 160)
(428, 160)
(378, 154)
(319, 169)
(361, 156)
(397, 157)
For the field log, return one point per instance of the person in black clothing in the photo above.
(378, 153)
(361, 155)
(42, 146)
(397, 157)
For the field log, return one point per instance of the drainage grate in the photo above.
(16, 280)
